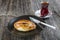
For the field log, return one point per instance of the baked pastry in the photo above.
(24, 25)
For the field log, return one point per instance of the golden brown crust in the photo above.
(26, 25)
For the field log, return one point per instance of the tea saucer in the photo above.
(38, 14)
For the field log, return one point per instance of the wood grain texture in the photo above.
(13, 8)
(19, 7)
(3, 11)
(3, 6)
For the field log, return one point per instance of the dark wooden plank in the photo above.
(2, 18)
(3, 11)
(3, 6)
(21, 7)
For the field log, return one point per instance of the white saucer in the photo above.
(37, 13)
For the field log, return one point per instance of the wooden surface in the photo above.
(13, 8)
